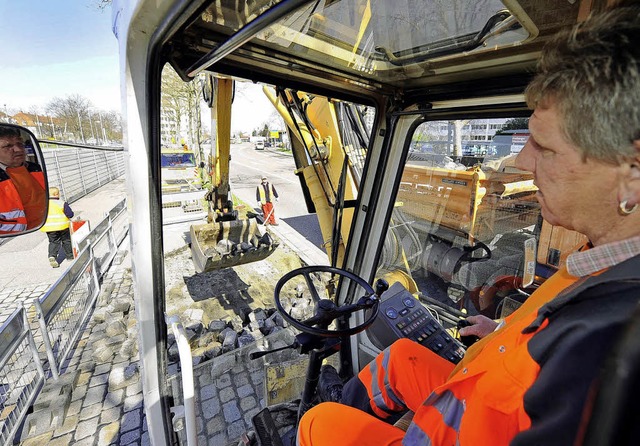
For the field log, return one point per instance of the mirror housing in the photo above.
(24, 189)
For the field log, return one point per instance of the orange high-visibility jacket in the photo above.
(12, 213)
(527, 384)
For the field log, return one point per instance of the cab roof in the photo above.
(369, 47)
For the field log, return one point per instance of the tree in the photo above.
(514, 124)
(73, 112)
(74, 118)
(180, 100)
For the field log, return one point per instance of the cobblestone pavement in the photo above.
(98, 398)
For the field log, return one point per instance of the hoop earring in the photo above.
(625, 210)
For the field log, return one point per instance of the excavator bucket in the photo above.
(224, 244)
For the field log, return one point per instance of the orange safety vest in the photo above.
(12, 214)
(481, 402)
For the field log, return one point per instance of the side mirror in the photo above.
(23, 182)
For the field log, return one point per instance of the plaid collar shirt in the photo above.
(585, 262)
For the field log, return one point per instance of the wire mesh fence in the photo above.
(79, 171)
(64, 308)
(21, 373)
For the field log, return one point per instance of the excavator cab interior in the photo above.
(404, 119)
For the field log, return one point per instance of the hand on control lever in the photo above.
(475, 327)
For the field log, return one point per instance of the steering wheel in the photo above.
(326, 311)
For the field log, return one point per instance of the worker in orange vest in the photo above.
(22, 191)
(528, 381)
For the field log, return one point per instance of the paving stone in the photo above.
(84, 379)
(133, 402)
(99, 380)
(223, 381)
(210, 408)
(248, 415)
(231, 412)
(90, 412)
(235, 430)
(217, 440)
(65, 440)
(247, 403)
(88, 441)
(70, 424)
(245, 390)
(113, 399)
(208, 391)
(108, 434)
(131, 420)
(110, 415)
(241, 379)
(257, 377)
(199, 424)
(227, 394)
(94, 395)
(145, 440)
(86, 428)
(74, 408)
(102, 368)
(130, 437)
(134, 389)
(121, 377)
(216, 425)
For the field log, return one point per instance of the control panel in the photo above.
(402, 316)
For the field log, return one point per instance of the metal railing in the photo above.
(106, 236)
(188, 409)
(61, 314)
(21, 373)
(78, 171)
(62, 311)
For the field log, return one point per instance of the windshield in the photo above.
(177, 160)
(464, 215)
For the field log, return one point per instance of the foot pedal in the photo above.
(266, 429)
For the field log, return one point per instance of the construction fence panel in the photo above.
(64, 308)
(21, 373)
(79, 171)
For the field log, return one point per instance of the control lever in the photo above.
(381, 286)
(260, 354)
(468, 341)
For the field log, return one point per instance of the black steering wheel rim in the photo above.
(306, 271)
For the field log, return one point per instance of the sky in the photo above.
(57, 48)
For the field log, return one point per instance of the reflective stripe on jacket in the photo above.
(480, 403)
(56, 219)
